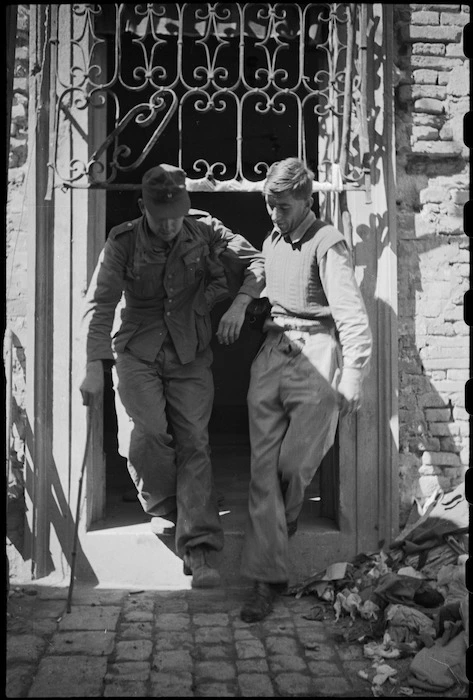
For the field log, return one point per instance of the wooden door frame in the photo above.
(368, 476)
(377, 478)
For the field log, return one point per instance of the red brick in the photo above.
(455, 50)
(440, 459)
(441, 34)
(459, 413)
(429, 105)
(425, 17)
(459, 82)
(445, 7)
(429, 49)
(446, 363)
(437, 92)
(458, 374)
(437, 149)
(431, 400)
(425, 77)
(433, 120)
(438, 415)
(455, 18)
(440, 429)
(440, 62)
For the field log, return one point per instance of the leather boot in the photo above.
(196, 563)
(259, 603)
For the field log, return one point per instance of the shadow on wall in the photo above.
(426, 418)
(23, 487)
(15, 496)
(60, 518)
(428, 429)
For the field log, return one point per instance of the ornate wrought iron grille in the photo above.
(222, 89)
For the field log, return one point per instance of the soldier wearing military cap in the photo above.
(167, 269)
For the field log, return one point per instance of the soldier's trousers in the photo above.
(163, 410)
(293, 414)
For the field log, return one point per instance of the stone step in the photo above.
(122, 551)
(132, 556)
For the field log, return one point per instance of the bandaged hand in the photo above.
(349, 391)
(232, 320)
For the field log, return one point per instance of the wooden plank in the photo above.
(61, 377)
(96, 475)
(96, 235)
(39, 317)
(80, 213)
(374, 237)
(388, 322)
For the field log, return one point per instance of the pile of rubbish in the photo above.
(408, 601)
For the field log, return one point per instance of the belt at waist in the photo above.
(311, 328)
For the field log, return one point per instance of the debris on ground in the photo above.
(441, 666)
(406, 603)
(407, 624)
(383, 673)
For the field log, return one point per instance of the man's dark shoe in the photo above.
(292, 528)
(259, 603)
(196, 564)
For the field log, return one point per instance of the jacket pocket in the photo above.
(124, 334)
(203, 325)
(147, 282)
(195, 263)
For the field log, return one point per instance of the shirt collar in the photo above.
(299, 232)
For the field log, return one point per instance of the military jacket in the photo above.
(173, 294)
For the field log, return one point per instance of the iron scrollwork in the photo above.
(203, 78)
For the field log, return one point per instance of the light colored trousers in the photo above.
(293, 416)
(163, 411)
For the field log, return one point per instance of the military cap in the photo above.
(164, 192)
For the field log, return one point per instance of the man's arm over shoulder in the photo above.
(244, 264)
(241, 260)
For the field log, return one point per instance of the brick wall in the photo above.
(433, 257)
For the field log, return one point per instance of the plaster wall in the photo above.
(16, 293)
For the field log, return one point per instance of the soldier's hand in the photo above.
(92, 384)
(232, 320)
(350, 391)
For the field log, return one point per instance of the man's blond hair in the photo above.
(289, 175)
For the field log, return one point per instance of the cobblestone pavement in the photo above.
(123, 643)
